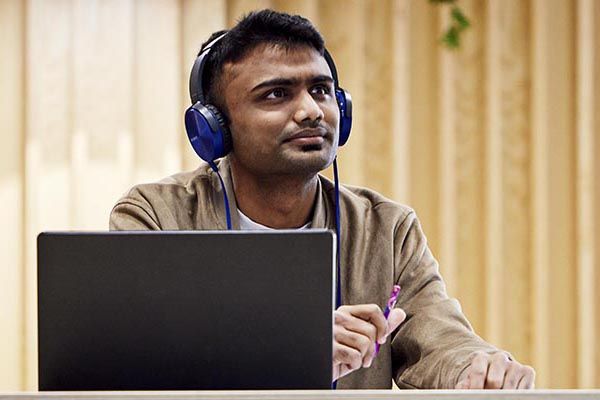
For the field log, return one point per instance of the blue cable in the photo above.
(338, 278)
(338, 234)
(225, 199)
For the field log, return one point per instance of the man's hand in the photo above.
(355, 331)
(496, 371)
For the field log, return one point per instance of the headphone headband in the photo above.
(196, 90)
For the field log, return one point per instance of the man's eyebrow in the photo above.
(321, 78)
(291, 82)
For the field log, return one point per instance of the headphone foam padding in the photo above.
(207, 131)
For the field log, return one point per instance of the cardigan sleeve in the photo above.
(435, 343)
(133, 214)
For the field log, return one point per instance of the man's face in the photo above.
(282, 111)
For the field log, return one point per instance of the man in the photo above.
(270, 81)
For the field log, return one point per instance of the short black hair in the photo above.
(255, 28)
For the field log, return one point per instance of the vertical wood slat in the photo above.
(378, 80)
(401, 100)
(596, 191)
(102, 93)
(237, 8)
(469, 108)
(11, 194)
(424, 149)
(494, 201)
(539, 181)
(508, 199)
(447, 182)
(48, 127)
(587, 100)
(157, 90)
(553, 178)
(306, 8)
(213, 17)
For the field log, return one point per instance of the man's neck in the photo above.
(275, 201)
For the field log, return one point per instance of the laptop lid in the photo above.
(185, 310)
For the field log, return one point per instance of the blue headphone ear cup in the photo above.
(344, 101)
(207, 131)
(224, 129)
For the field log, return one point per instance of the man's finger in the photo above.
(528, 378)
(361, 343)
(497, 370)
(345, 369)
(478, 371)
(355, 324)
(370, 313)
(513, 376)
(343, 354)
(464, 384)
(395, 318)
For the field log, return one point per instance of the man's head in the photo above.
(259, 27)
(269, 78)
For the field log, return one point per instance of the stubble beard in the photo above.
(309, 160)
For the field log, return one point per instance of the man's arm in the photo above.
(435, 346)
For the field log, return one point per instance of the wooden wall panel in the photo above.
(378, 79)
(554, 185)
(11, 194)
(306, 8)
(399, 143)
(468, 99)
(595, 300)
(49, 108)
(102, 105)
(507, 178)
(156, 80)
(237, 8)
(424, 144)
(447, 205)
(588, 95)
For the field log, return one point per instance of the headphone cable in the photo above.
(225, 199)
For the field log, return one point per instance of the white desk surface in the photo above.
(316, 394)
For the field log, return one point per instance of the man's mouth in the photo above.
(307, 137)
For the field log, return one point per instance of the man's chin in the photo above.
(307, 161)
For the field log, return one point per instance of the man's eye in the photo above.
(275, 94)
(321, 90)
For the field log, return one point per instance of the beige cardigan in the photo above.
(382, 244)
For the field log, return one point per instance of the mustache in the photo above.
(320, 130)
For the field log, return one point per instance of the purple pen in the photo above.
(390, 304)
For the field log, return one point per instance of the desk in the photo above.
(317, 395)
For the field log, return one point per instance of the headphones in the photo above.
(207, 128)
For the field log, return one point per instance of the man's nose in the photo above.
(308, 110)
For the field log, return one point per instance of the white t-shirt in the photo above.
(246, 224)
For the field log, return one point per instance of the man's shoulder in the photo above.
(362, 200)
(171, 203)
(181, 184)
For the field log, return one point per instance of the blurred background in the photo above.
(494, 144)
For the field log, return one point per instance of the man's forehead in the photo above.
(268, 61)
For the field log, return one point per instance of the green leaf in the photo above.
(451, 38)
(460, 18)
(443, 1)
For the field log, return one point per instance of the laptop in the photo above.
(183, 310)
